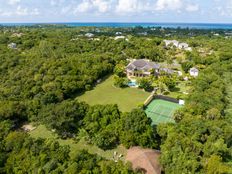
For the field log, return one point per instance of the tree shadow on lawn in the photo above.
(103, 79)
(175, 89)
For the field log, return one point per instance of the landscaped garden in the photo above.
(75, 146)
(182, 89)
(106, 93)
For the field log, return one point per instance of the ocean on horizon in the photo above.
(125, 25)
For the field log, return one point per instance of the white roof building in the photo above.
(179, 73)
(194, 72)
(118, 33)
(177, 44)
(12, 45)
(89, 35)
(173, 42)
(183, 45)
(119, 37)
(181, 102)
(188, 49)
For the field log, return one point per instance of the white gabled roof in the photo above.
(194, 70)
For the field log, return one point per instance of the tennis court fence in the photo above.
(170, 99)
(159, 114)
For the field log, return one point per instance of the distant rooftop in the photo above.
(142, 65)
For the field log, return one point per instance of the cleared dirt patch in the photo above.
(28, 127)
(144, 160)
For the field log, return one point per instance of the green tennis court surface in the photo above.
(161, 111)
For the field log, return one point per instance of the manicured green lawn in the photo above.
(106, 93)
(42, 132)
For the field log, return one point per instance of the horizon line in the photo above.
(117, 22)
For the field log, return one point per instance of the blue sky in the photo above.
(201, 11)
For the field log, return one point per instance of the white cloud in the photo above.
(169, 4)
(131, 6)
(13, 2)
(5, 13)
(66, 9)
(224, 10)
(192, 7)
(229, 7)
(85, 6)
(21, 11)
(101, 6)
(35, 12)
(57, 2)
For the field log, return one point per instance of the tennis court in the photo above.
(161, 111)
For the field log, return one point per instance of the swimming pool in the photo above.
(133, 83)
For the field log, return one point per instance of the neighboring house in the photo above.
(194, 72)
(98, 30)
(89, 35)
(166, 71)
(186, 78)
(143, 33)
(177, 44)
(188, 49)
(119, 37)
(12, 45)
(118, 33)
(141, 68)
(183, 45)
(179, 73)
(16, 34)
(171, 42)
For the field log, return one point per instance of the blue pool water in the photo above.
(132, 84)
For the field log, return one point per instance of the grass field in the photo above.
(42, 132)
(161, 111)
(106, 93)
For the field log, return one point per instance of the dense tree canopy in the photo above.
(52, 65)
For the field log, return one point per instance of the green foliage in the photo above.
(53, 65)
(186, 66)
(200, 142)
(170, 82)
(107, 127)
(146, 84)
(215, 165)
(26, 155)
(120, 82)
(186, 142)
(12, 110)
(136, 130)
(65, 117)
(3, 39)
(119, 70)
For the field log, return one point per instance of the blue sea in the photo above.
(125, 25)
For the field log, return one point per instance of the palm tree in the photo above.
(162, 87)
